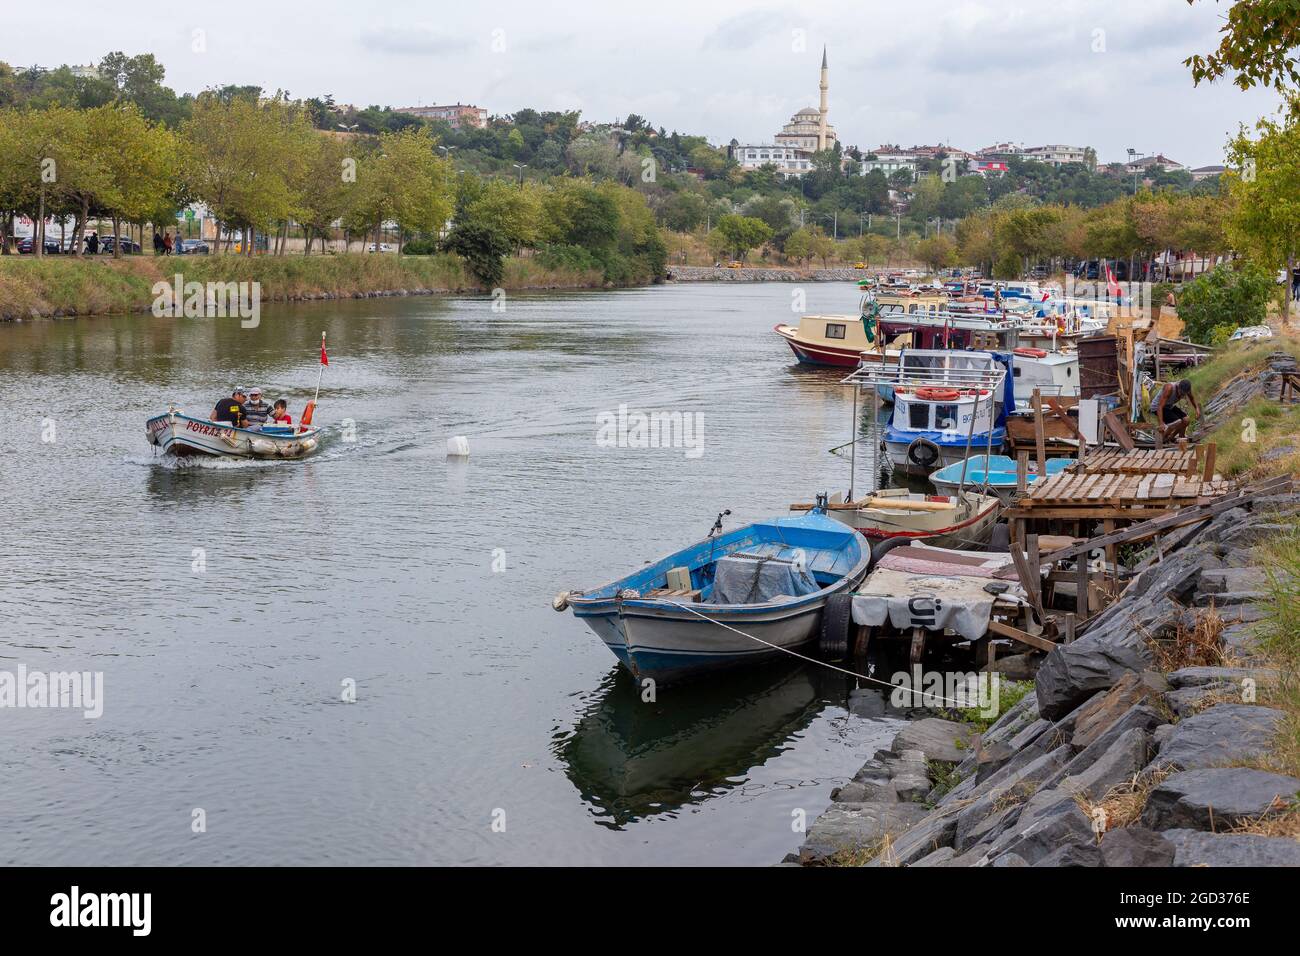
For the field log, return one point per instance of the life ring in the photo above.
(936, 394)
(1032, 353)
(923, 453)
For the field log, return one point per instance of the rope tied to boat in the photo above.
(812, 660)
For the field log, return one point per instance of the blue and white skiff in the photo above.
(769, 580)
(179, 434)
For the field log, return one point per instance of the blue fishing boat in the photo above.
(999, 470)
(737, 597)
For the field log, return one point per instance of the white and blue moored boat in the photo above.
(945, 403)
(734, 598)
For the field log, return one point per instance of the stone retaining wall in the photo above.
(1028, 791)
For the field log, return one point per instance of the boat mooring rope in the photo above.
(812, 660)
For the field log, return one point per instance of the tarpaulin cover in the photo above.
(932, 588)
(742, 579)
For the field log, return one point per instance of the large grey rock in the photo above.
(1135, 846)
(887, 777)
(1098, 714)
(1224, 734)
(1196, 848)
(1070, 854)
(1055, 825)
(1120, 762)
(1140, 717)
(848, 828)
(1226, 598)
(1188, 701)
(1218, 798)
(1008, 791)
(1219, 580)
(1073, 672)
(945, 741)
(1252, 533)
(939, 857)
(1199, 676)
(1013, 720)
(935, 830)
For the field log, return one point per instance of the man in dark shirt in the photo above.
(231, 410)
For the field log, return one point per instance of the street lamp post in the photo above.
(521, 168)
(1132, 153)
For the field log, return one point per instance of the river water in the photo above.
(231, 607)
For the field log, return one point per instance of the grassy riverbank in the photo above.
(57, 286)
(1259, 438)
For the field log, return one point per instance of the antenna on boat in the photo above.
(717, 524)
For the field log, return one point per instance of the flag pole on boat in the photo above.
(311, 406)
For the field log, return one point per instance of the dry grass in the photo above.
(1200, 645)
(1014, 796)
(1122, 805)
(1285, 824)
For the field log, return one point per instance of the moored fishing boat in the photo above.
(961, 520)
(734, 598)
(176, 433)
(945, 403)
(997, 472)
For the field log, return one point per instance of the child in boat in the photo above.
(280, 412)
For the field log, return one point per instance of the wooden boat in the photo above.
(834, 340)
(942, 521)
(1000, 471)
(684, 615)
(179, 434)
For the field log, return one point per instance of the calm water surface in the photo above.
(380, 561)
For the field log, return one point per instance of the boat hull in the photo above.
(181, 435)
(670, 644)
(945, 449)
(820, 353)
(968, 524)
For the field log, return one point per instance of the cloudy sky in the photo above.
(1106, 73)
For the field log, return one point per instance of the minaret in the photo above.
(825, 108)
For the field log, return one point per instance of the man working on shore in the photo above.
(256, 410)
(231, 410)
(1164, 403)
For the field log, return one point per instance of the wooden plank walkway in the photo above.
(1139, 462)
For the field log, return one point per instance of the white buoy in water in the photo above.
(458, 447)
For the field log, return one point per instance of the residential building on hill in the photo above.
(455, 116)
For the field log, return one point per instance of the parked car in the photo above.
(192, 247)
(27, 244)
(129, 246)
(383, 247)
(1251, 332)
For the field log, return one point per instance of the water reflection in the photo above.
(631, 759)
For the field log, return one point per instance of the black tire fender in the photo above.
(835, 641)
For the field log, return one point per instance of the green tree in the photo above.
(483, 247)
(743, 233)
(1257, 44)
(1223, 299)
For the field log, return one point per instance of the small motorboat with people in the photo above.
(176, 433)
(737, 597)
(962, 519)
(232, 431)
(996, 472)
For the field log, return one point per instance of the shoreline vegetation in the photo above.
(56, 286)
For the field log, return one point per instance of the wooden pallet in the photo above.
(1069, 489)
(1138, 462)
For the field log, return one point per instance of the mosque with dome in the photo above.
(808, 131)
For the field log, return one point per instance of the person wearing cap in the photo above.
(256, 410)
(1164, 404)
(231, 410)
